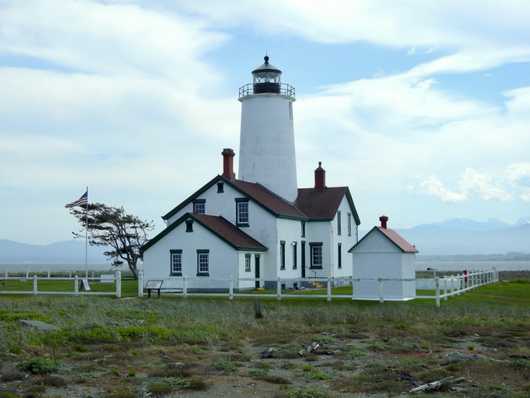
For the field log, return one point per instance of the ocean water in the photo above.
(421, 265)
(451, 265)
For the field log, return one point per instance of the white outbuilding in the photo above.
(385, 265)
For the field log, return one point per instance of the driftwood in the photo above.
(436, 385)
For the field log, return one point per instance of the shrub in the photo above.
(160, 388)
(39, 365)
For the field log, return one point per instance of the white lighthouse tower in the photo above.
(266, 150)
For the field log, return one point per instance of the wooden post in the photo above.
(35, 287)
(6, 274)
(437, 287)
(445, 287)
(27, 274)
(352, 288)
(49, 274)
(117, 279)
(76, 285)
(184, 286)
(380, 289)
(140, 283)
(231, 289)
(328, 289)
(278, 289)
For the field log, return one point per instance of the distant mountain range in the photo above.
(65, 252)
(452, 237)
(469, 237)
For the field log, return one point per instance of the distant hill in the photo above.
(457, 236)
(469, 237)
(65, 252)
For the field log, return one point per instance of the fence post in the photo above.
(437, 288)
(231, 288)
(328, 289)
(6, 274)
(380, 289)
(76, 285)
(35, 287)
(184, 286)
(445, 287)
(352, 288)
(49, 274)
(117, 279)
(140, 283)
(278, 289)
(27, 274)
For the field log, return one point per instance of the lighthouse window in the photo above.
(316, 255)
(242, 212)
(199, 206)
(203, 263)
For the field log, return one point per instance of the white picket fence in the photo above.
(452, 285)
(444, 287)
(75, 279)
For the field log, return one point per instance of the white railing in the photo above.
(382, 289)
(75, 279)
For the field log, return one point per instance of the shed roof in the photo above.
(400, 242)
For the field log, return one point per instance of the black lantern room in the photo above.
(266, 78)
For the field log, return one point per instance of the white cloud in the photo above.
(435, 187)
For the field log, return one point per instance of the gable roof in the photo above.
(322, 205)
(219, 226)
(398, 241)
(262, 196)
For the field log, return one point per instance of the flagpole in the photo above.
(86, 235)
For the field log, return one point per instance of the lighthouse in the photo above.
(267, 150)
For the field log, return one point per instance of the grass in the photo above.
(121, 348)
(129, 287)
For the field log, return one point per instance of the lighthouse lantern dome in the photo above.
(266, 78)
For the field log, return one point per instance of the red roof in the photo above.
(394, 237)
(323, 204)
(229, 232)
(268, 199)
(219, 226)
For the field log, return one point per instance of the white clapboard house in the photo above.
(259, 224)
(384, 264)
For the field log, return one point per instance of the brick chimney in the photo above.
(320, 178)
(228, 163)
(384, 220)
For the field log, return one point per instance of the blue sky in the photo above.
(422, 109)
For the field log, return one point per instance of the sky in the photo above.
(421, 107)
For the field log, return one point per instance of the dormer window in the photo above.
(199, 206)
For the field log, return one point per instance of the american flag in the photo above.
(82, 201)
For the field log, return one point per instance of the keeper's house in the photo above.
(260, 225)
(384, 254)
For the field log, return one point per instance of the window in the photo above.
(247, 263)
(349, 224)
(302, 225)
(339, 254)
(175, 262)
(220, 187)
(242, 212)
(316, 255)
(339, 223)
(189, 225)
(282, 254)
(203, 263)
(199, 206)
(295, 255)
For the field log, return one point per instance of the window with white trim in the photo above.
(316, 255)
(339, 223)
(349, 224)
(199, 206)
(339, 254)
(295, 255)
(282, 254)
(203, 262)
(175, 262)
(248, 260)
(242, 212)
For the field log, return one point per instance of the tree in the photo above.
(124, 234)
